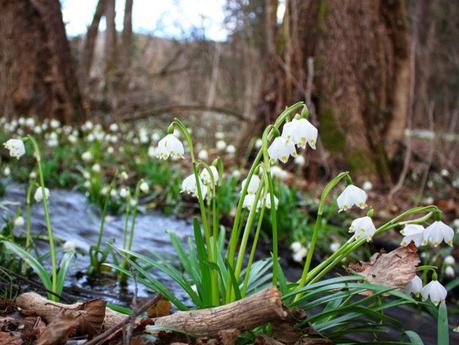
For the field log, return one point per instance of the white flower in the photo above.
(19, 221)
(277, 171)
(152, 152)
(170, 146)
(249, 201)
(87, 184)
(113, 193)
(221, 145)
(114, 127)
(253, 185)
(363, 228)
(16, 147)
(412, 233)
(300, 131)
(55, 123)
(258, 143)
(437, 232)
(33, 174)
(236, 174)
(189, 186)
(296, 246)
(124, 176)
(435, 291)
(203, 155)
(231, 149)
(69, 246)
(334, 246)
(268, 201)
(449, 260)
(367, 185)
(124, 193)
(205, 176)
(96, 168)
(144, 187)
(351, 196)
(72, 139)
(87, 156)
(104, 190)
(299, 160)
(7, 171)
(110, 150)
(38, 196)
(414, 286)
(155, 136)
(280, 149)
(300, 254)
(219, 135)
(449, 272)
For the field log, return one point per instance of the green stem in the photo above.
(28, 216)
(52, 247)
(134, 214)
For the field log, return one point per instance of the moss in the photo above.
(332, 137)
(359, 161)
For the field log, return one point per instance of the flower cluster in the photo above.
(433, 290)
(434, 234)
(299, 251)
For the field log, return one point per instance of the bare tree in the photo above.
(127, 35)
(36, 67)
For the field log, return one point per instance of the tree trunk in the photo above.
(127, 35)
(110, 38)
(362, 77)
(36, 67)
(90, 43)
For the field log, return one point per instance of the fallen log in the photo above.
(245, 314)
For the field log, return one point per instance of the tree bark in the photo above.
(36, 66)
(90, 43)
(127, 35)
(110, 38)
(362, 77)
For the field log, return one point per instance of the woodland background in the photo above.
(381, 77)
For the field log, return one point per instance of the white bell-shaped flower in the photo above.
(351, 196)
(299, 255)
(144, 188)
(435, 291)
(414, 286)
(16, 147)
(189, 186)
(363, 228)
(253, 184)
(249, 201)
(295, 246)
(412, 233)
(449, 272)
(206, 178)
(268, 201)
(38, 196)
(203, 155)
(281, 149)
(438, 232)
(301, 132)
(450, 260)
(170, 146)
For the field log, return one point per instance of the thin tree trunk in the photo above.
(127, 35)
(90, 43)
(110, 38)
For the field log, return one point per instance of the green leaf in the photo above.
(442, 325)
(63, 270)
(414, 338)
(32, 262)
(204, 268)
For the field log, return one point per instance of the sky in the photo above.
(164, 18)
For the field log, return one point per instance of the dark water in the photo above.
(74, 219)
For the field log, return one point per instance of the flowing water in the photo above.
(74, 219)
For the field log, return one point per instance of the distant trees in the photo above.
(36, 69)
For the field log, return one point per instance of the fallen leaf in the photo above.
(92, 317)
(10, 338)
(62, 327)
(162, 308)
(394, 269)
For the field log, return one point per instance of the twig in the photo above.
(111, 332)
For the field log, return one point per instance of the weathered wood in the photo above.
(245, 314)
(242, 315)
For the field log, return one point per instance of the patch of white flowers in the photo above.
(15, 147)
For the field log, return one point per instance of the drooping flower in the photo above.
(301, 132)
(221, 145)
(412, 233)
(299, 160)
(96, 168)
(189, 186)
(435, 291)
(449, 272)
(253, 184)
(296, 246)
(367, 185)
(19, 221)
(249, 201)
(231, 149)
(438, 232)
(124, 193)
(268, 201)
(414, 286)
(449, 260)
(203, 155)
(87, 156)
(351, 196)
(16, 147)
(363, 228)
(144, 188)
(334, 246)
(69, 246)
(281, 149)
(206, 178)
(124, 176)
(277, 171)
(299, 255)
(170, 146)
(38, 196)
